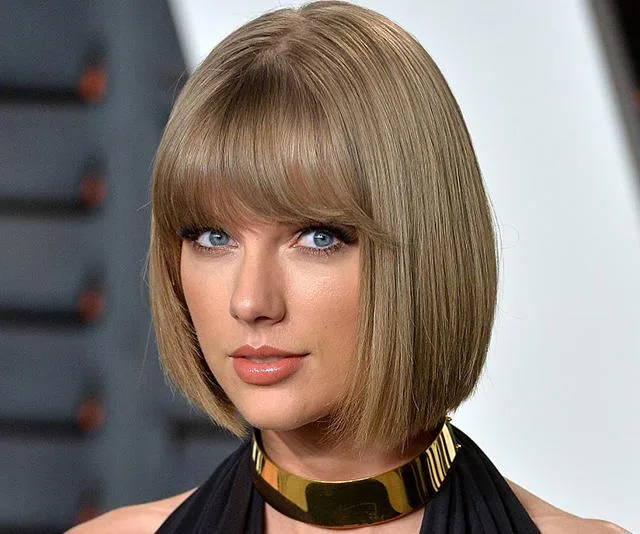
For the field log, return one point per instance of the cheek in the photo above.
(204, 293)
(328, 304)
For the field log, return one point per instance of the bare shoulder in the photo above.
(551, 520)
(138, 519)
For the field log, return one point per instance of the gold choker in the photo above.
(362, 502)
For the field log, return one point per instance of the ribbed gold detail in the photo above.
(353, 503)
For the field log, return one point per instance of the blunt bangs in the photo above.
(260, 148)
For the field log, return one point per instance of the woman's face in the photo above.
(256, 292)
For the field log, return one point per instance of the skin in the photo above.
(266, 284)
(269, 285)
(147, 518)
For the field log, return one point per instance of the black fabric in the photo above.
(475, 499)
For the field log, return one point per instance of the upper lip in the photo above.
(265, 351)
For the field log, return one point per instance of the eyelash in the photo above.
(343, 236)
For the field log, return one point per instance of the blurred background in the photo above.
(550, 94)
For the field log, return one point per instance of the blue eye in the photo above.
(213, 238)
(318, 238)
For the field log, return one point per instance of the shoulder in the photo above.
(552, 520)
(138, 519)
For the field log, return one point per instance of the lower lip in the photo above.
(266, 373)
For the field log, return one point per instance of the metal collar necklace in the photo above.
(361, 502)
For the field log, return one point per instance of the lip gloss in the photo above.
(265, 365)
(266, 371)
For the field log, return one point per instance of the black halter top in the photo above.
(474, 499)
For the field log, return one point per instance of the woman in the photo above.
(323, 282)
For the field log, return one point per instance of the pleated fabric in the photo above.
(474, 499)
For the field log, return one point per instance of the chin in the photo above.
(272, 410)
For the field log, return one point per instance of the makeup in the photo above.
(265, 366)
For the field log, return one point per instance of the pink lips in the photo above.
(265, 365)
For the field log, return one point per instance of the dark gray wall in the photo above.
(87, 422)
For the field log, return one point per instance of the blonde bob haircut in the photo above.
(332, 113)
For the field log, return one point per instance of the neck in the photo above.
(305, 452)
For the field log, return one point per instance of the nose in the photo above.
(258, 293)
